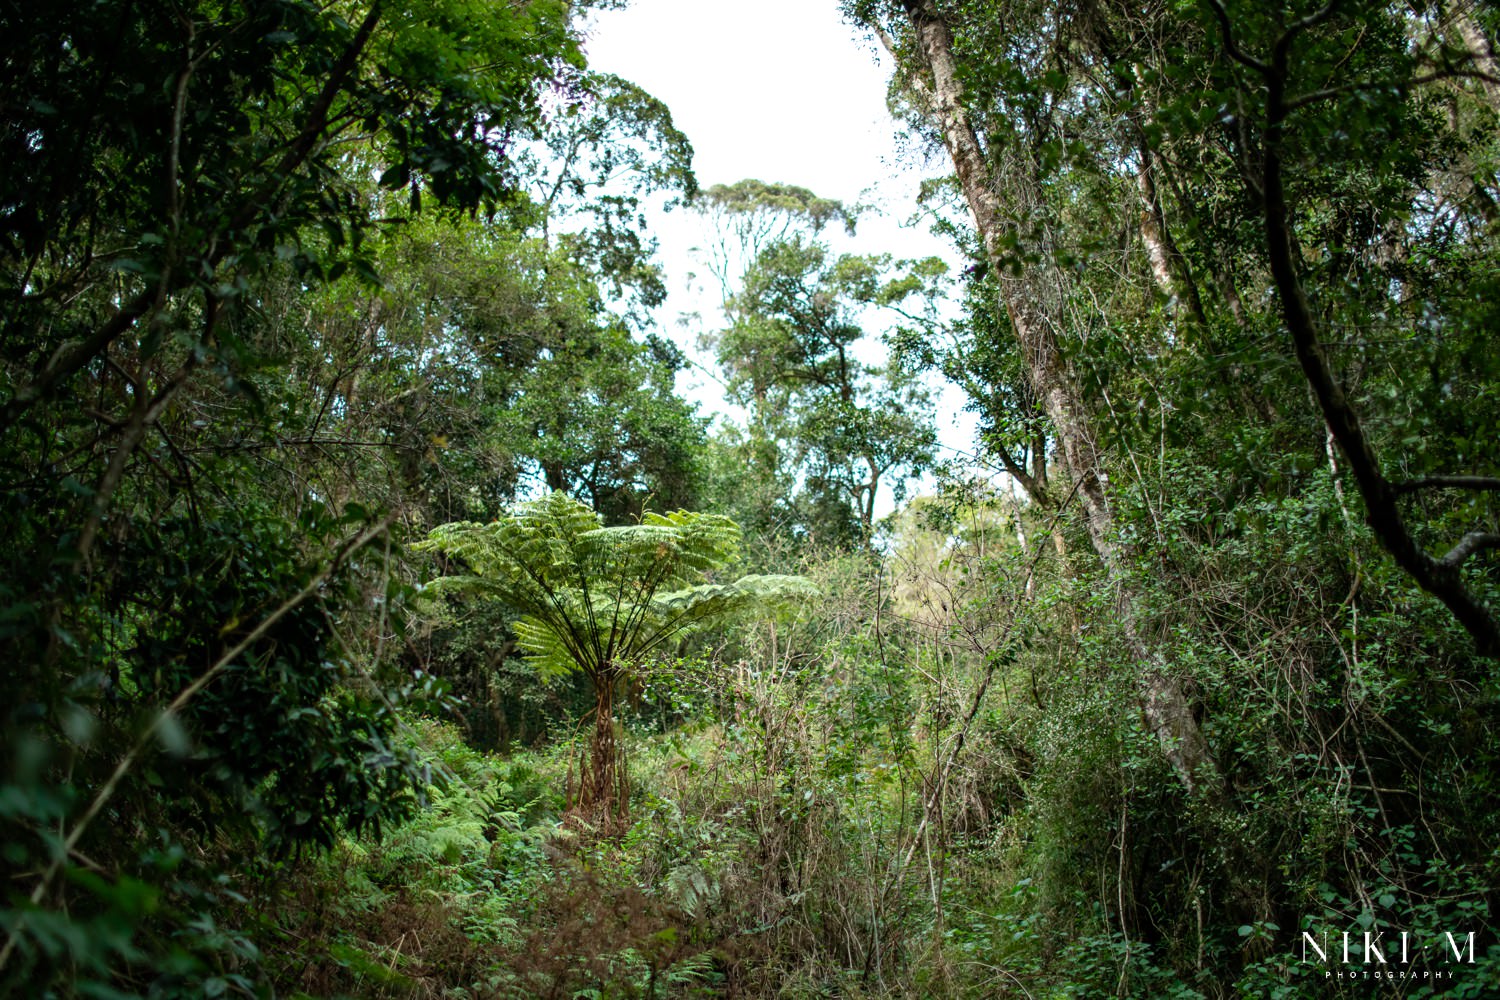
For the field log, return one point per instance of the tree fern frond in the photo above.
(547, 651)
(590, 594)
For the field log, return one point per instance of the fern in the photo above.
(599, 600)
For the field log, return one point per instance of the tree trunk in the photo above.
(1482, 52)
(603, 789)
(1162, 702)
(1171, 272)
(1439, 576)
(555, 477)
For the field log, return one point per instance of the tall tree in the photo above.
(1172, 304)
(746, 217)
(1008, 209)
(795, 356)
(204, 673)
(1293, 68)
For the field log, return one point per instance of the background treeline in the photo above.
(1198, 656)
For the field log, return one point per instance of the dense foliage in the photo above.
(338, 601)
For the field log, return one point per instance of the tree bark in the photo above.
(602, 791)
(1167, 266)
(1483, 54)
(1162, 702)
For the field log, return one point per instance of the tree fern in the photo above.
(600, 599)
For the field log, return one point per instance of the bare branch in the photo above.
(142, 416)
(1327, 93)
(1474, 541)
(1034, 489)
(1231, 47)
(1447, 483)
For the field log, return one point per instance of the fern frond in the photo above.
(589, 594)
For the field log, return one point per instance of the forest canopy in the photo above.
(385, 619)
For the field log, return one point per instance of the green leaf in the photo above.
(172, 736)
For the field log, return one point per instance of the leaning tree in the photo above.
(599, 600)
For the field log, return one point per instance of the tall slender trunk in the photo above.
(1172, 274)
(1160, 697)
(1482, 52)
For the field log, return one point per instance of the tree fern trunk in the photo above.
(602, 785)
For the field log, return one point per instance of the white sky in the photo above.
(778, 90)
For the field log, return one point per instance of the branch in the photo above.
(317, 119)
(1447, 483)
(313, 442)
(72, 356)
(992, 659)
(1312, 20)
(1230, 45)
(1439, 578)
(145, 413)
(1034, 489)
(1474, 541)
(1304, 100)
(914, 83)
